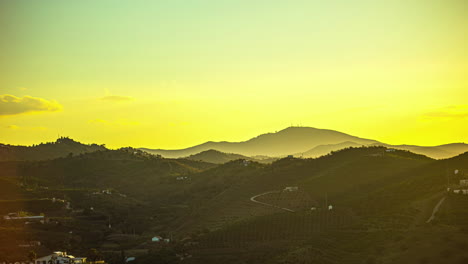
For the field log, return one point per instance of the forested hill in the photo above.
(62, 147)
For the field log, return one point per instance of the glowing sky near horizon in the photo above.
(171, 74)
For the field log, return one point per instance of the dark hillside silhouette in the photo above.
(64, 146)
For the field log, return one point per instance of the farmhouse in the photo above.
(465, 192)
(291, 189)
(464, 182)
(156, 239)
(160, 239)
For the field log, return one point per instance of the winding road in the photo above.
(253, 199)
(435, 210)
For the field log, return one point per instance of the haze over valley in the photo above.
(214, 205)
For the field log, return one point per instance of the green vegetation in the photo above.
(115, 201)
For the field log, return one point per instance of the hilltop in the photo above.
(62, 147)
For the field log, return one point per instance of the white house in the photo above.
(291, 189)
(465, 191)
(464, 182)
(59, 257)
(156, 239)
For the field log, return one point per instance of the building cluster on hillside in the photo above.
(158, 239)
(33, 243)
(28, 219)
(462, 187)
(60, 257)
(106, 191)
(291, 189)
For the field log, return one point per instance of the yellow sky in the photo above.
(179, 73)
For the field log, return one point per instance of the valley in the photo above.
(293, 210)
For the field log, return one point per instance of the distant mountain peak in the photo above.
(288, 141)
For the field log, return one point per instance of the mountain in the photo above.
(282, 143)
(62, 147)
(304, 142)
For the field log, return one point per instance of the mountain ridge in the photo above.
(306, 142)
(282, 143)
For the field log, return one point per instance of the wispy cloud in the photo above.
(15, 127)
(12, 105)
(449, 112)
(176, 124)
(119, 122)
(117, 98)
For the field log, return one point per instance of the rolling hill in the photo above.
(325, 149)
(437, 152)
(381, 200)
(214, 156)
(218, 157)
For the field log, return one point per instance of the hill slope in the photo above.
(379, 201)
(437, 152)
(325, 149)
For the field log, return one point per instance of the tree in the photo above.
(94, 255)
(32, 256)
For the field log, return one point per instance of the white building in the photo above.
(464, 182)
(465, 192)
(59, 257)
(156, 239)
(291, 189)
